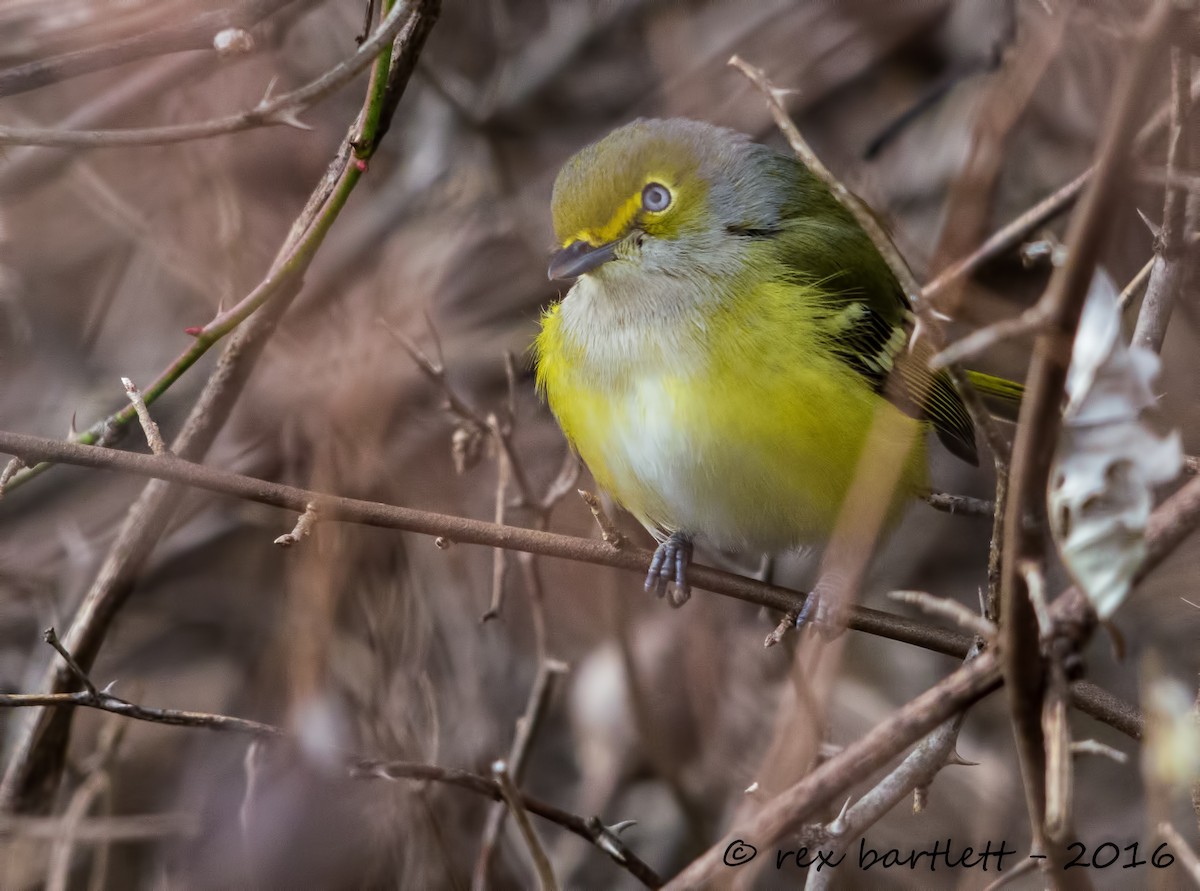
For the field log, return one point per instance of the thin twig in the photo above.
(97, 785)
(1180, 209)
(915, 772)
(1024, 669)
(10, 470)
(541, 863)
(862, 215)
(468, 531)
(949, 609)
(590, 830)
(904, 727)
(1032, 321)
(279, 110)
(1129, 292)
(303, 528)
(122, 828)
(1011, 235)
(194, 32)
(37, 750)
(104, 830)
(499, 555)
(149, 426)
(608, 529)
(51, 637)
(961, 504)
(1095, 747)
(104, 701)
(1183, 850)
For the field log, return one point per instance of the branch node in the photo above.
(608, 529)
(149, 426)
(303, 528)
(50, 636)
(786, 624)
(11, 469)
(949, 609)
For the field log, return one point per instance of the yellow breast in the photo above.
(737, 426)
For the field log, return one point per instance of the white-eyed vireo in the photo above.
(720, 357)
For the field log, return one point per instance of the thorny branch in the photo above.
(37, 752)
(586, 550)
(270, 111)
(1170, 523)
(1040, 419)
(590, 830)
(197, 32)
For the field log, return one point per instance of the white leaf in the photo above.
(1109, 455)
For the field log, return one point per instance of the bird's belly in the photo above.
(743, 465)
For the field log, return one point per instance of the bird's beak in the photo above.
(579, 257)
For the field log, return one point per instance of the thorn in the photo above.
(487, 616)
(618, 828)
(72, 430)
(288, 117)
(1154, 230)
(959, 760)
(194, 330)
(270, 89)
(108, 688)
(838, 825)
(752, 788)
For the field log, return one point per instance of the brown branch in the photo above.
(125, 828)
(1183, 850)
(37, 751)
(303, 528)
(964, 505)
(512, 797)
(447, 529)
(149, 427)
(915, 772)
(279, 110)
(948, 609)
(1024, 669)
(457, 529)
(194, 34)
(104, 701)
(1010, 236)
(104, 830)
(609, 532)
(590, 830)
(1032, 321)
(1073, 617)
(1180, 208)
(862, 215)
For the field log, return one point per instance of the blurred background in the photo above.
(949, 118)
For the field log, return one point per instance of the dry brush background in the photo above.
(949, 118)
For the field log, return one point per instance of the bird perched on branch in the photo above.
(726, 344)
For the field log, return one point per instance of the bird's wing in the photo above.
(869, 322)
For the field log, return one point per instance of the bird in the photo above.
(726, 343)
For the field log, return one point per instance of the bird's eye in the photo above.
(656, 197)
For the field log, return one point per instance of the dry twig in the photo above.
(270, 111)
(461, 529)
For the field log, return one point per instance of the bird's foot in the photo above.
(668, 570)
(823, 610)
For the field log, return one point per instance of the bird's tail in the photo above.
(1002, 396)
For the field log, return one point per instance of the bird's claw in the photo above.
(668, 575)
(822, 613)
